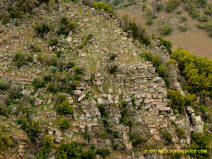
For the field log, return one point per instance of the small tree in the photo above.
(64, 123)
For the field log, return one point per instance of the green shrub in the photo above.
(149, 21)
(168, 45)
(43, 154)
(31, 127)
(53, 42)
(35, 48)
(103, 6)
(48, 59)
(66, 26)
(42, 29)
(6, 141)
(190, 100)
(3, 110)
(64, 123)
(165, 30)
(208, 10)
(183, 19)
(180, 132)
(74, 150)
(192, 10)
(104, 152)
(183, 28)
(124, 118)
(167, 136)
(135, 138)
(200, 141)
(52, 87)
(38, 83)
(171, 5)
(124, 104)
(20, 59)
(176, 100)
(65, 108)
(196, 70)
(48, 142)
(4, 85)
(86, 134)
(203, 108)
(113, 69)
(159, 6)
(203, 18)
(15, 92)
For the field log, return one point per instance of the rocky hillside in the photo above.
(74, 85)
(184, 22)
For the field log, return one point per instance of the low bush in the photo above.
(167, 136)
(65, 108)
(149, 21)
(64, 123)
(176, 100)
(201, 141)
(135, 138)
(21, 59)
(183, 28)
(180, 132)
(196, 70)
(31, 127)
(66, 26)
(6, 141)
(171, 5)
(43, 154)
(42, 29)
(74, 150)
(113, 69)
(4, 85)
(53, 42)
(203, 18)
(192, 10)
(168, 44)
(159, 6)
(103, 6)
(136, 33)
(48, 142)
(125, 119)
(3, 110)
(48, 59)
(104, 152)
(35, 48)
(38, 83)
(208, 10)
(165, 30)
(86, 134)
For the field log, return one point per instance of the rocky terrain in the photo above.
(185, 19)
(69, 74)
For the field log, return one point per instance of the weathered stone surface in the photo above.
(164, 109)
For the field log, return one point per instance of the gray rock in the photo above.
(190, 110)
(77, 92)
(164, 109)
(81, 97)
(100, 101)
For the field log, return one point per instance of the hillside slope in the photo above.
(69, 74)
(189, 21)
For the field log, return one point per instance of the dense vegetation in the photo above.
(197, 72)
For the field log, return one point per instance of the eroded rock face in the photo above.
(196, 121)
(134, 89)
